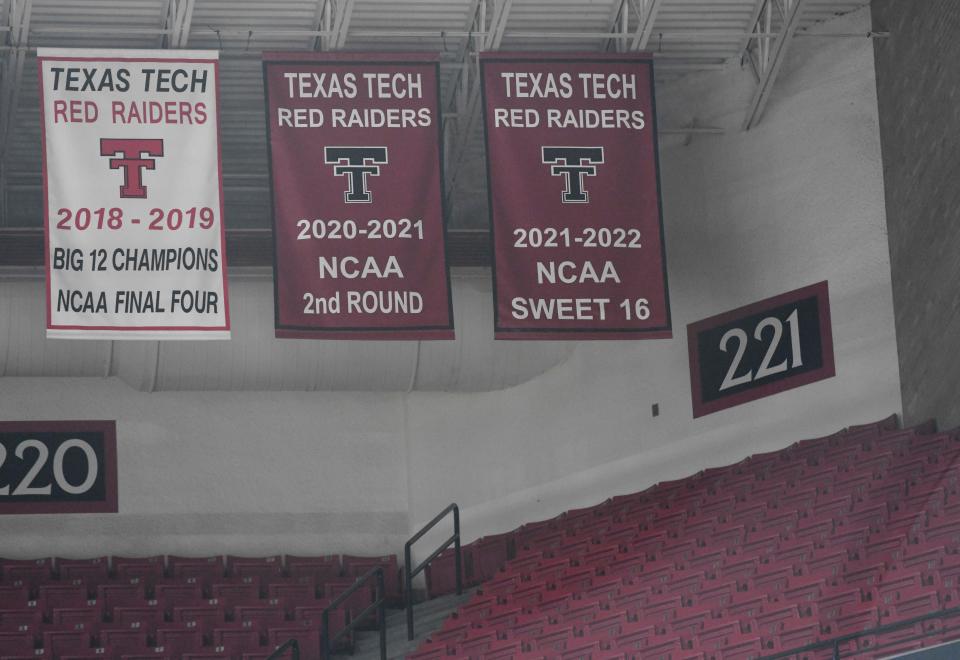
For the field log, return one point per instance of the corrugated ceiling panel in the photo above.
(688, 35)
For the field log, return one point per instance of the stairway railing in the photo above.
(379, 604)
(409, 574)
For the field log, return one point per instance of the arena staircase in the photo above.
(429, 616)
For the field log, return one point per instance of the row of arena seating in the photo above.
(831, 536)
(229, 607)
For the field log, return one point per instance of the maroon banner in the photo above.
(575, 213)
(358, 220)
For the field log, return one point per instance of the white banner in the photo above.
(134, 203)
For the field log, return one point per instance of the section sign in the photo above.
(575, 218)
(761, 349)
(358, 220)
(133, 214)
(58, 467)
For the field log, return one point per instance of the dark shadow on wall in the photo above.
(918, 92)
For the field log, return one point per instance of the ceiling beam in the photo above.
(179, 20)
(474, 19)
(647, 12)
(11, 78)
(467, 97)
(619, 16)
(772, 58)
(343, 12)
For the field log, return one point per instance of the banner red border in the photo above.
(46, 199)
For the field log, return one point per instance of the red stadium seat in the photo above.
(603, 588)
(305, 632)
(231, 595)
(234, 641)
(607, 624)
(204, 571)
(636, 635)
(826, 563)
(205, 617)
(441, 573)
(797, 633)
(144, 618)
(260, 617)
(321, 568)
(530, 625)
(138, 570)
(580, 612)
(11, 596)
(741, 648)
(492, 552)
(552, 638)
(16, 643)
(123, 640)
(111, 596)
(30, 573)
(21, 619)
(89, 572)
(169, 595)
(57, 643)
(155, 653)
(506, 649)
(90, 615)
(663, 648)
(51, 596)
(178, 641)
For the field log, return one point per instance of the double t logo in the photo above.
(573, 163)
(133, 160)
(356, 163)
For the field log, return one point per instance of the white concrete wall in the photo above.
(796, 200)
(214, 472)
(748, 215)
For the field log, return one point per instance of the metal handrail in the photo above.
(291, 644)
(835, 642)
(379, 604)
(409, 574)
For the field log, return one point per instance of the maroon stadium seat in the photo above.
(306, 633)
(143, 570)
(51, 596)
(90, 572)
(320, 568)
(177, 641)
(123, 640)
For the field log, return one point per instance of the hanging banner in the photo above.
(134, 204)
(573, 177)
(358, 222)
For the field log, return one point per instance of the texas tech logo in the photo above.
(133, 157)
(573, 164)
(356, 164)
